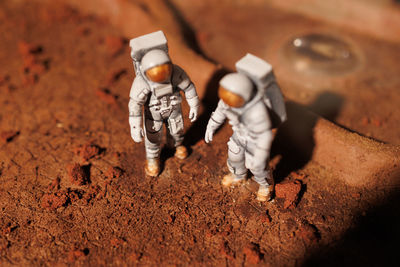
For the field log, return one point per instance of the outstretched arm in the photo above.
(216, 120)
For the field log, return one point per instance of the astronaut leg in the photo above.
(236, 164)
(175, 133)
(261, 174)
(153, 134)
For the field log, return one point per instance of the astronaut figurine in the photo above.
(156, 90)
(251, 100)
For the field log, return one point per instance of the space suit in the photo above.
(156, 90)
(244, 105)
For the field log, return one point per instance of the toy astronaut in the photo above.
(156, 90)
(253, 104)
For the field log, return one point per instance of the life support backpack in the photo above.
(260, 72)
(142, 44)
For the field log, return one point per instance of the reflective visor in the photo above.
(231, 99)
(160, 73)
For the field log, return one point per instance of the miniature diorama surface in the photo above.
(253, 103)
(155, 99)
(100, 164)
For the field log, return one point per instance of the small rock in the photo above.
(290, 192)
(26, 48)
(114, 76)
(88, 151)
(78, 175)
(114, 44)
(377, 122)
(266, 218)
(76, 254)
(55, 184)
(53, 201)
(226, 251)
(134, 257)
(365, 120)
(253, 254)
(8, 136)
(92, 193)
(114, 173)
(4, 79)
(116, 242)
(106, 96)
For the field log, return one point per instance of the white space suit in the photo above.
(156, 89)
(246, 108)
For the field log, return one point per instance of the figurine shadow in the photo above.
(188, 33)
(166, 153)
(294, 139)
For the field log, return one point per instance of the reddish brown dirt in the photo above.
(121, 217)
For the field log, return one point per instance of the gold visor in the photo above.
(231, 99)
(160, 73)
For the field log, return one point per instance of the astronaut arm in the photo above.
(185, 84)
(138, 97)
(263, 145)
(262, 139)
(216, 120)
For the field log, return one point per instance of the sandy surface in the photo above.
(72, 184)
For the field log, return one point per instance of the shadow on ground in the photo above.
(373, 242)
(294, 140)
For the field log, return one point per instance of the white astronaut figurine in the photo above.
(247, 98)
(156, 89)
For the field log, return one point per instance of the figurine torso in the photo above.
(164, 98)
(249, 121)
(160, 99)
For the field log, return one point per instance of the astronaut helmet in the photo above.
(235, 89)
(156, 66)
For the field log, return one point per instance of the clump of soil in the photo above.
(32, 66)
(226, 251)
(79, 175)
(115, 76)
(91, 193)
(253, 253)
(77, 254)
(4, 79)
(8, 136)
(266, 218)
(53, 201)
(114, 173)
(289, 192)
(115, 44)
(105, 95)
(88, 151)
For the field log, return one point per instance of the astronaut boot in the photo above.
(181, 152)
(232, 179)
(264, 193)
(152, 167)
